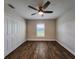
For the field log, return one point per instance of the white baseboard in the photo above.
(41, 39)
(66, 47)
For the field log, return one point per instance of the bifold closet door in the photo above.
(14, 33)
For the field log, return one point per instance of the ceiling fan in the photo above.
(41, 8)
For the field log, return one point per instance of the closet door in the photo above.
(10, 34)
(5, 36)
(15, 35)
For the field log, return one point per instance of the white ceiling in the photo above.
(58, 6)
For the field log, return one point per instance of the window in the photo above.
(40, 30)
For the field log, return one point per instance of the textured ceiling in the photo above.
(58, 6)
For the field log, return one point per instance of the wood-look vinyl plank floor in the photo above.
(40, 50)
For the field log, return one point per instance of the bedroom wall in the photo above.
(14, 30)
(66, 30)
(50, 30)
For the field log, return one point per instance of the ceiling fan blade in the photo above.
(33, 13)
(48, 11)
(46, 4)
(32, 7)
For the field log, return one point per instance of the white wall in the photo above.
(14, 30)
(66, 30)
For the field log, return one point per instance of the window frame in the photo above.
(41, 27)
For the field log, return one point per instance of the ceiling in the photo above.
(58, 6)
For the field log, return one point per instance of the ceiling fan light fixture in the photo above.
(41, 8)
(40, 13)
